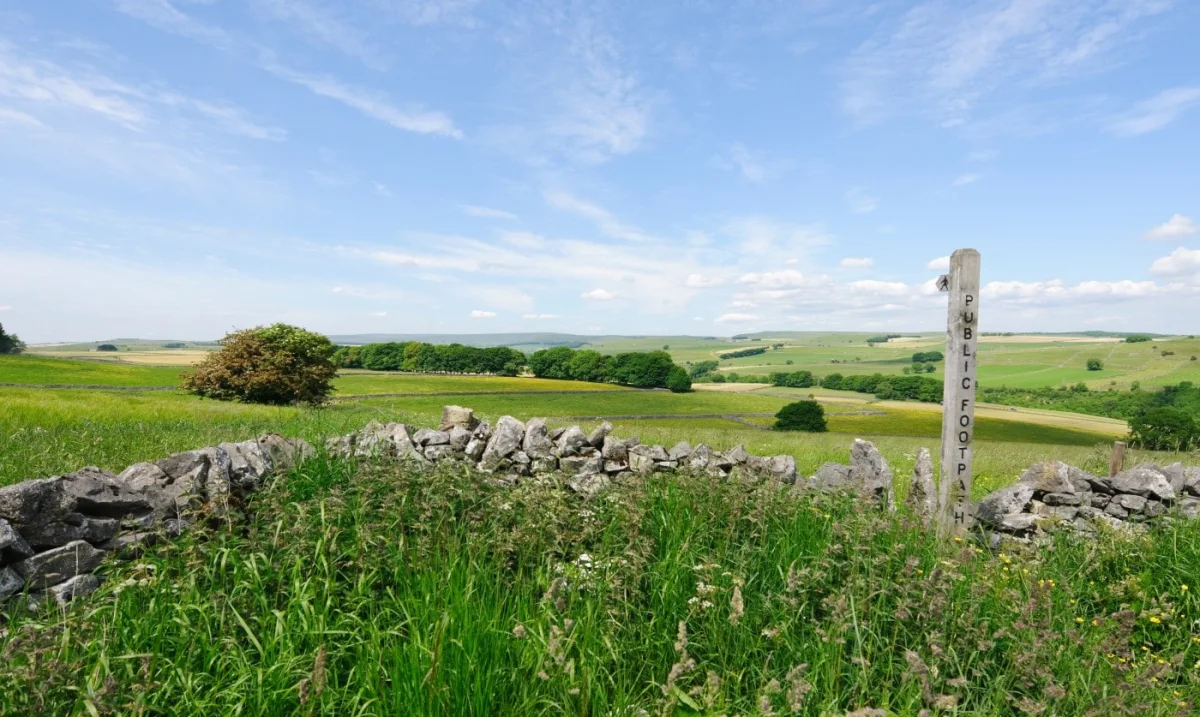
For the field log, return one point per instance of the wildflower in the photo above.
(681, 638)
(1183, 588)
(1155, 619)
(1079, 620)
(957, 539)
(736, 607)
(519, 631)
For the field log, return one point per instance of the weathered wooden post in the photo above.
(958, 397)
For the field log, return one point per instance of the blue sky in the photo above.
(180, 168)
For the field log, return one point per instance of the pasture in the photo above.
(53, 430)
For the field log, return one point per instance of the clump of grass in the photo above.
(375, 589)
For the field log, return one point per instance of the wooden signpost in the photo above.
(958, 397)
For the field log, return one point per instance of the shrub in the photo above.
(276, 365)
(107, 347)
(717, 377)
(1094, 364)
(928, 357)
(1162, 429)
(174, 345)
(742, 353)
(703, 368)
(10, 343)
(832, 381)
(1136, 338)
(588, 365)
(801, 416)
(678, 380)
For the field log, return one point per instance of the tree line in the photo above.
(652, 369)
(10, 343)
(742, 353)
(420, 357)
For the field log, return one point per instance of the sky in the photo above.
(184, 168)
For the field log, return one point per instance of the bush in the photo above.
(276, 365)
(678, 380)
(796, 379)
(1163, 429)
(703, 368)
(1136, 339)
(107, 347)
(801, 416)
(742, 353)
(10, 343)
(1094, 364)
(928, 357)
(174, 345)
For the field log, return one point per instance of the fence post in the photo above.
(1117, 463)
(958, 394)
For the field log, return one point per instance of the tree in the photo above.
(588, 365)
(801, 416)
(678, 380)
(832, 381)
(1094, 364)
(10, 343)
(552, 363)
(107, 347)
(1162, 429)
(703, 368)
(276, 365)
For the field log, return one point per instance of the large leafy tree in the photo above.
(277, 364)
(10, 343)
(801, 416)
(1163, 429)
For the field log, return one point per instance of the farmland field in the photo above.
(52, 430)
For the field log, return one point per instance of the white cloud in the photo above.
(371, 103)
(1181, 262)
(525, 240)
(942, 263)
(758, 236)
(477, 314)
(607, 223)
(378, 314)
(5, 308)
(475, 210)
(734, 318)
(320, 24)
(15, 117)
(1056, 291)
(699, 281)
(1175, 227)
(1157, 112)
(598, 295)
(860, 202)
(505, 297)
(753, 165)
(540, 316)
(983, 155)
(382, 189)
(791, 261)
(743, 305)
(786, 278)
(871, 287)
(965, 179)
(856, 262)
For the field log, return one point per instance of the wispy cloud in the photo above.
(736, 318)
(964, 179)
(539, 317)
(607, 223)
(322, 25)
(753, 165)
(1156, 112)
(475, 210)
(478, 314)
(860, 202)
(1174, 228)
(857, 262)
(700, 281)
(598, 295)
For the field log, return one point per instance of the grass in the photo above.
(35, 370)
(375, 590)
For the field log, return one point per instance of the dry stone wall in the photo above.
(54, 532)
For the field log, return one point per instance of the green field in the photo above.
(45, 431)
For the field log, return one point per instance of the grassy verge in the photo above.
(379, 591)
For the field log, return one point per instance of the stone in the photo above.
(537, 439)
(572, 441)
(1048, 478)
(32, 503)
(632, 441)
(1175, 476)
(77, 587)
(700, 457)
(438, 451)
(94, 492)
(589, 485)
(641, 464)
(284, 453)
(60, 564)
(614, 450)
(506, 438)
(1191, 481)
(16, 547)
(871, 471)
(615, 466)
(1099, 500)
(556, 433)
(426, 437)
(1015, 522)
(459, 438)
(665, 466)
(549, 464)
(174, 527)
(457, 416)
(831, 476)
(1061, 499)
(922, 491)
(10, 583)
(475, 449)
(596, 438)
(483, 431)
(782, 469)
(1189, 508)
(160, 490)
(581, 465)
(1144, 480)
(248, 465)
(680, 451)
(340, 446)
(1006, 501)
(75, 527)
(1115, 509)
(1153, 509)
(654, 453)
(737, 454)
(1131, 503)
(8, 536)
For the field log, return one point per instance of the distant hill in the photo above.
(536, 340)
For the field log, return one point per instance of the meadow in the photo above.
(362, 589)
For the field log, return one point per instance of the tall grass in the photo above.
(377, 590)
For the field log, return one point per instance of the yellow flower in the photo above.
(1184, 588)
(1079, 620)
(1155, 619)
(1096, 622)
